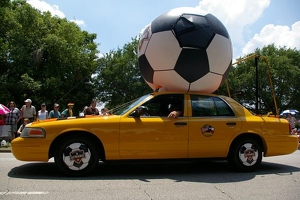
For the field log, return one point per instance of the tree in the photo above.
(45, 58)
(119, 79)
(284, 70)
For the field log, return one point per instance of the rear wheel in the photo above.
(245, 155)
(76, 156)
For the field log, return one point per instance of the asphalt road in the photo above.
(278, 178)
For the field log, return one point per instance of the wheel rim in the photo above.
(77, 156)
(248, 154)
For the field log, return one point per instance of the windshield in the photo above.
(122, 109)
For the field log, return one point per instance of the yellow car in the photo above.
(201, 126)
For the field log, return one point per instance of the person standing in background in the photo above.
(12, 118)
(28, 111)
(69, 111)
(92, 110)
(292, 120)
(104, 111)
(43, 113)
(55, 112)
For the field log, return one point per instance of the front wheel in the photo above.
(76, 156)
(245, 155)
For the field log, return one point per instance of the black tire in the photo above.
(76, 156)
(245, 155)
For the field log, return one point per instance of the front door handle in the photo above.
(180, 123)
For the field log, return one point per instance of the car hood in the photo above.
(69, 121)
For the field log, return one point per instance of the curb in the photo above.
(5, 149)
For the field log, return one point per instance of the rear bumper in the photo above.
(30, 149)
(281, 145)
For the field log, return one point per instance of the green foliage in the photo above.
(284, 65)
(119, 79)
(44, 58)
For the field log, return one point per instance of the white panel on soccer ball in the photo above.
(160, 44)
(87, 157)
(219, 54)
(144, 39)
(170, 80)
(75, 145)
(69, 162)
(208, 83)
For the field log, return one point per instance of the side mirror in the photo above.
(140, 111)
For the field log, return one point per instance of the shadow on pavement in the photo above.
(200, 171)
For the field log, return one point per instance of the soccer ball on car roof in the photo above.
(182, 50)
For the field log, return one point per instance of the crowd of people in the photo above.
(17, 119)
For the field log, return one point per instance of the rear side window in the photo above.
(205, 106)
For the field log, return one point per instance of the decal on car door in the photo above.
(207, 130)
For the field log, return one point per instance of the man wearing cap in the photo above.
(69, 111)
(28, 111)
(55, 112)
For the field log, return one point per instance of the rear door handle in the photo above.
(231, 123)
(180, 123)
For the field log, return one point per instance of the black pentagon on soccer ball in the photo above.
(78, 164)
(146, 69)
(217, 25)
(84, 148)
(163, 23)
(197, 66)
(67, 151)
(193, 31)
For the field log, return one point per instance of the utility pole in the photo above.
(256, 84)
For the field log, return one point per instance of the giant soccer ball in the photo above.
(183, 50)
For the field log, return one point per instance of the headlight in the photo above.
(33, 132)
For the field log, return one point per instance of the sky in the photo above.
(251, 23)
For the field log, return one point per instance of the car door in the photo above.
(213, 125)
(155, 136)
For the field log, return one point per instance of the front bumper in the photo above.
(30, 149)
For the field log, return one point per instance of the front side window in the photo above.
(162, 105)
(122, 109)
(206, 106)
